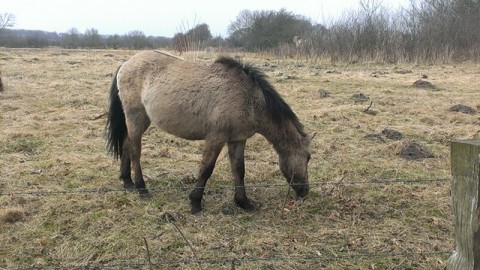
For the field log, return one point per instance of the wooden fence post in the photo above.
(465, 160)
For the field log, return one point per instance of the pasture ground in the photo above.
(52, 117)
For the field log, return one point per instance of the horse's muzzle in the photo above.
(301, 190)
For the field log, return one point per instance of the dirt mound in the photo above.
(392, 134)
(374, 137)
(411, 150)
(332, 71)
(403, 71)
(359, 97)
(387, 133)
(324, 93)
(423, 84)
(462, 109)
(379, 73)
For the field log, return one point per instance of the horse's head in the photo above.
(293, 164)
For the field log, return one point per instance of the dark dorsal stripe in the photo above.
(279, 110)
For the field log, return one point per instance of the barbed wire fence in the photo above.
(340, 182)
(230, 261)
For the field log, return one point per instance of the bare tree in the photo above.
(6, 20)
(136, 40)
(92, 39)
(370, 7)
(72, 39)
(239, 28)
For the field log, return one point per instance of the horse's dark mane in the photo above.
(279, 110)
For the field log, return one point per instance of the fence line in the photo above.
(152, 262)
(238, 260)
(283, 185)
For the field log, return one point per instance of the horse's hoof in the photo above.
(246, 205)
(144, 194)
(129, 186)
(250, 208)
(196, 207)
(196, 210)
(147, 196)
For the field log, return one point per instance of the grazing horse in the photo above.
(223, 103)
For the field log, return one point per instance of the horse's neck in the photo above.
(282, 138)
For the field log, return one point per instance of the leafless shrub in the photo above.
(191, 38)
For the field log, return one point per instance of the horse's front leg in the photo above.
(236, 152)
(210, 155)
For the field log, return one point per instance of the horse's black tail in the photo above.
(116, 125)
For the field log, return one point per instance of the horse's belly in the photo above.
(183, 127)
(191, 120)
(194, 128)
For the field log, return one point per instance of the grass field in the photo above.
(52, 156)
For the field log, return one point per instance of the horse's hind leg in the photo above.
(135, 152)
(236, 152)
(137, 124)
(125, 166)
(210, 155)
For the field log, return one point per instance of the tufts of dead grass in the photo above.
(52, 126)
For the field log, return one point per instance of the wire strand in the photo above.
(244, 259)
(274, 185)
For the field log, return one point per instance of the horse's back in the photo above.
(185, 99)
(142, 62)
(141, 73)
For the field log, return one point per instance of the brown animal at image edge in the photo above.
(224, 103)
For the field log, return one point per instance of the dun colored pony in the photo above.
(224, 103)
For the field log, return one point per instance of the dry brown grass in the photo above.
(52, 139)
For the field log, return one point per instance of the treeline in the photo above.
(425, 30)
(73, 39)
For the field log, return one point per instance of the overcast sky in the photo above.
(161, 18)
